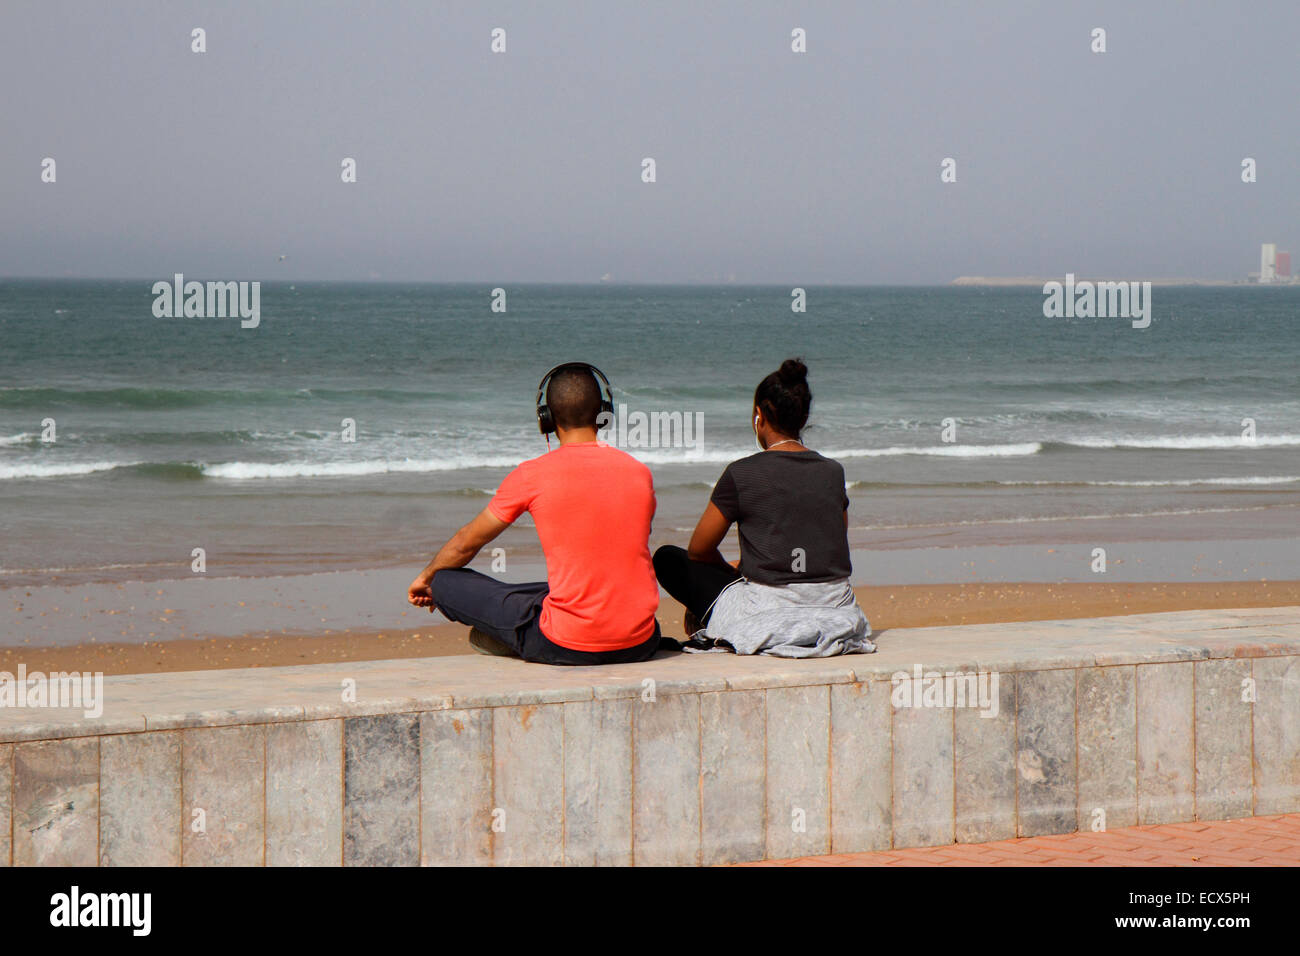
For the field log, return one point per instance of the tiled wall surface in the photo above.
(687, 775)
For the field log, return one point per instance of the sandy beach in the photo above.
(889, 607)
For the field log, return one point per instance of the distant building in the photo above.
(1267, 262)
(1283, 265)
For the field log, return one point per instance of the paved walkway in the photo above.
(1253, 841)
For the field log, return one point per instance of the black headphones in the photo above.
(545, 420)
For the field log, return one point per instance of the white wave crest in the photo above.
(946, 451)
(59, 471)
(1190, 442)
(246, 470)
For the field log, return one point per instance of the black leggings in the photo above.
(695, 584)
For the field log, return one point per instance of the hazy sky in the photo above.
(526, 166)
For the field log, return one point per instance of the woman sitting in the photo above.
(791, 595)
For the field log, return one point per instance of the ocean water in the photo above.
(176, 434)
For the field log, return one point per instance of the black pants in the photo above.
(510, 613)
(695, 584)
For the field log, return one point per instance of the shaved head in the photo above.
(574, 398)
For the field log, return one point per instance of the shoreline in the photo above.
(1245, 534)
(888, 607)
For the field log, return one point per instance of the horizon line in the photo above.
(964, 281)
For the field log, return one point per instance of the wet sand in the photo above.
(888, 607)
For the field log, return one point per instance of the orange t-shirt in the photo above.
(592, 505)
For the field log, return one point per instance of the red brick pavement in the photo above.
(1252, 841)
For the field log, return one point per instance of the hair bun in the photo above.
(792, 372)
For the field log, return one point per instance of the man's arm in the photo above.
(456, 553)
(709, 532)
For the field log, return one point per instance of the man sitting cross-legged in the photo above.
(592, 505)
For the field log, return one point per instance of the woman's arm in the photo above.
(709, 532)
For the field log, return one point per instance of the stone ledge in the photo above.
(249, 696)
(679, 761)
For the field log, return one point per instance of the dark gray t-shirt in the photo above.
(789, 510)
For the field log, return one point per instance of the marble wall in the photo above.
(690, 774)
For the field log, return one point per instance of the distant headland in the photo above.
(1036, 281)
